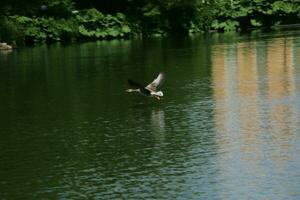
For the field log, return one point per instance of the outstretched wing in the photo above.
(134, 84)
(153, 86)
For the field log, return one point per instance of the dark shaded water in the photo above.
(227, 128)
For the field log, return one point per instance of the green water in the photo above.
(228, 126)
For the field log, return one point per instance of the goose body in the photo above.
(150, 90)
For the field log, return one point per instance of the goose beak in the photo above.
(157, 97)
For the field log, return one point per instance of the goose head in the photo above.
(160, 93)
(157, 95)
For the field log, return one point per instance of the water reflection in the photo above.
(228, 127)
(158, 124)
(256, 115)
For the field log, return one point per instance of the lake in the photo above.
(228, 126)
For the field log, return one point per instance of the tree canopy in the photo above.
(34, 21)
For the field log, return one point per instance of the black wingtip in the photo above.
(131, 82)
(134, 84)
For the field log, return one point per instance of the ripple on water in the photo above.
(227, 128)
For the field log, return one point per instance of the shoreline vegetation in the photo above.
(48, 21)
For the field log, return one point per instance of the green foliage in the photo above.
(37, 30)
(255, 23)
(285, 7)
(256, 13)
(227, 26)
(36, 21)
(59, 8)
(165, 16)
(88, 24)
(97, 25)
(9, 31)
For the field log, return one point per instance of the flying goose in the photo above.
(150, 90)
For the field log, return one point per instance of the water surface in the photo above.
(227, 128)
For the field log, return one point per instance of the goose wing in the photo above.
(153, 86)
(135, 84)
(139, 86)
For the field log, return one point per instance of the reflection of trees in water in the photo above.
(255, 111)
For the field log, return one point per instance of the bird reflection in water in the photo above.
(158, 124)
